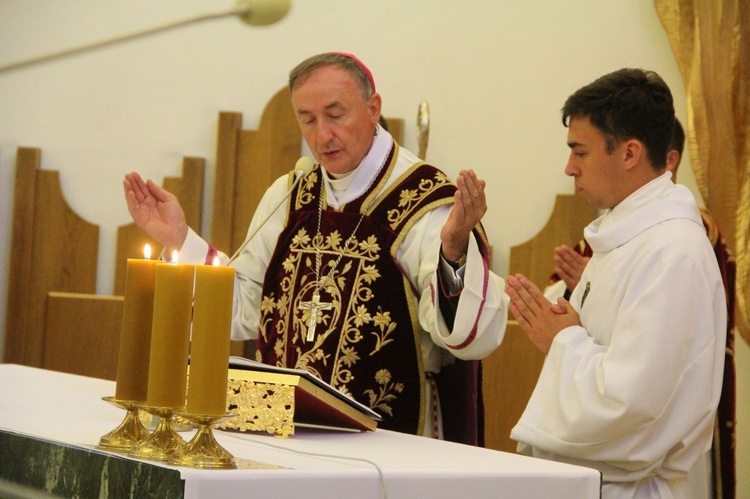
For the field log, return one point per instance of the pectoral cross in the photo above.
(314, 306)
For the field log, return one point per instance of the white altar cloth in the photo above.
(69, 409)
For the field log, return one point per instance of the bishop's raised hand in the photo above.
(469, 206)
(156, 211)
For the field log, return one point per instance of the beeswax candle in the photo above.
(170, 335)
(209, 347)
(135, 334)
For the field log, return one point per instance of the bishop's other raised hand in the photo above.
(156, 211)
(469, 206)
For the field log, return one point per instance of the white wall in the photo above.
(494, 72)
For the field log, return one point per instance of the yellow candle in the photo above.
(170, 335)
(209, 348)
(135, 334)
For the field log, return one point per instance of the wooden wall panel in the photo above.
(52, 248)
(17, 326)
(189, 190)
(230, 125)
(247, 162)
(396, 129)
(262, 157)
(252, 182)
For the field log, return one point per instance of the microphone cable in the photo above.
(304, 166)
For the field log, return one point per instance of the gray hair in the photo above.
(303, 70)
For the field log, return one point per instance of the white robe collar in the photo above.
(350, 187)
(653, 203)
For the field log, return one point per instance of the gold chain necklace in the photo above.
(315, 306)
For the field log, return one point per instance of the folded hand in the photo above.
(540, 319)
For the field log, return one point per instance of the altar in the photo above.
(51, 422)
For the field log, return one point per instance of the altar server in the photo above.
(634, 363)
(570, 265)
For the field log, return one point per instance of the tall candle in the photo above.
(209, 348)
(170, 335)
(135, 334)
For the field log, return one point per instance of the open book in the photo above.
(317, 404)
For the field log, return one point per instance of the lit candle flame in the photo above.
(216, 261)
(174, 256)
(147, 252)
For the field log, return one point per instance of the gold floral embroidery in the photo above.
(301, 238)
(278, 348)
(409, 199)
(356, 330)
(361, 316)
(333, 240)
(386, 325)
(370, 245)
(305, 195)
(355, 276)
(379, 401)
(267, 304)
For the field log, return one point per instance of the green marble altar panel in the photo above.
(66, 471)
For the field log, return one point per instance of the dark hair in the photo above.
(678, 137)
(304, 69)
(627, 104)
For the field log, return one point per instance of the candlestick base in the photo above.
(160, 445)
(129, 433)
(203, 451)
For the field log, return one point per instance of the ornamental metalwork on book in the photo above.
(265, 407)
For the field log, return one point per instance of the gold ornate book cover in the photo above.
(316, 403)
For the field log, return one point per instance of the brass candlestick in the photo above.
(203, 451)
(129, 433)
(160, 445)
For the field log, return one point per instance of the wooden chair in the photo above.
(511, 372)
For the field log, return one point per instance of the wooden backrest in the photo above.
(247, 162)
(511, 372)
(53, 250)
